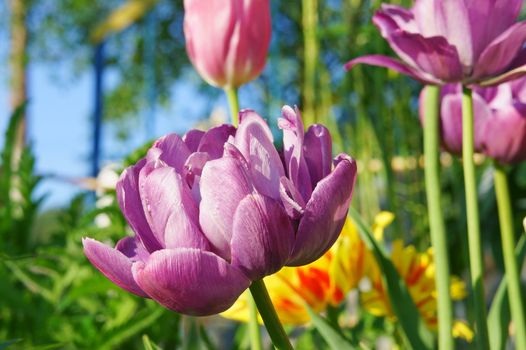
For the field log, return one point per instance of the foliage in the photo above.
(18, 206)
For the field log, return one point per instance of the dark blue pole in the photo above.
(98, 108)
(149, 73)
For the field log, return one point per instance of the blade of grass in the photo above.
(417, 333)
(499, 314)
(330, 334)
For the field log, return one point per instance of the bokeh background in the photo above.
(50, 297)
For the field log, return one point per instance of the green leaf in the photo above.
(205, 338)
(332, 336)
(192, 340)
(142, 320)
(499, 314)
(148, 345)
(416, 331)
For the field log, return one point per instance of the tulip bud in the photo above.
(227, 40)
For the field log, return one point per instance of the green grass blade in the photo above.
(332, 336)
(417, 333)
(499, 314)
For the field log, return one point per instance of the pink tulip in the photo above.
(227, 40)
(453, 41)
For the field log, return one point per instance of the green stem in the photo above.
(436, 220)
(309, 10)
(233, 103)
(474, 242)
(253, 325)
(269, 316)
(508, 251)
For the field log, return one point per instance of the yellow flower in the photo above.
(417, 269)
(320, 284)
(351, 256)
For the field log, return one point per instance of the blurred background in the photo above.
(102, 79)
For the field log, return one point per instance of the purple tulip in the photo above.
(227, 40)
(500, 120)
(439, 41)
(214, 211)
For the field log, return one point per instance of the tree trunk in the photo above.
(18, 67)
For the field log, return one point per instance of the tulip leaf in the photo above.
(332, 336)
(142, 320)
(416, 331)
(499, 313)
(148, 345)
(196, 337)
(205, 338)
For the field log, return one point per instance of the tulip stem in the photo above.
(253, 325)
(269, 316)
(233, 103)
(474, 240)
(436, 219)
(508, 251)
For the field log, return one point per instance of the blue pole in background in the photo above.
(98, 108)
(149, 73)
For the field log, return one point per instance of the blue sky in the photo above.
(60, 127)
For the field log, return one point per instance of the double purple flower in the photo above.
(213, 211)
(441, 41)
(499, 120)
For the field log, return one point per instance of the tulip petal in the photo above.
(451, 119)
(293, 135)
(508, 76)
(318, 152)
(113, 264)
(171, 211)
(224, 183)
(262, 238)
(432, 54)
(325, 213)
(254, 140)
(190, 281)
(174, 151)
(291, 199)
(131, 205)
(214, 140)
(450, 20)
(132, 248)
(193, 168)
(499, 55)
(505, 134)
(249, 48)
(401, 18)
(394, 64)
(192, 139)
